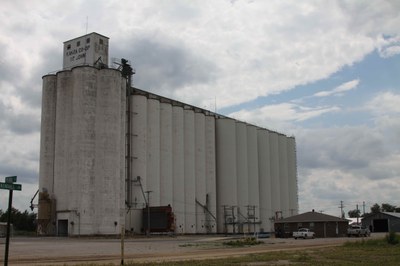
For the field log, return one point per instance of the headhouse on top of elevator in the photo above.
(90, 49)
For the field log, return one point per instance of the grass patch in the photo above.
(247, 241)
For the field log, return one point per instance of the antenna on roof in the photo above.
(87, 24)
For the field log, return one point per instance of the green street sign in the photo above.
(11, 179)
(10, 186)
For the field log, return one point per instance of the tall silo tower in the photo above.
(82, 158)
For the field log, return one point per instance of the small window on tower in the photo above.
(68, 46)
(100, 41)
(78, 43)
(88, 40)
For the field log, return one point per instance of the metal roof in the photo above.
(311, 217)
(395, 214)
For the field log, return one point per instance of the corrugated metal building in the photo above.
(108, 150)
(382, 222)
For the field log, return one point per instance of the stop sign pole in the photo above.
(9, 184)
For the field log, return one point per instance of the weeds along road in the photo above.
(64, 251)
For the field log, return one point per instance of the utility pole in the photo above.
(341, 209)
(363, 208)
(357, 213)
(148, 212)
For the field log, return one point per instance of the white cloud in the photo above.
(350, 85)
(385, 102)
(279, 116)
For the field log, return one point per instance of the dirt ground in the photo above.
(69, 251)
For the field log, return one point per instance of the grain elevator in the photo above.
(114, 157)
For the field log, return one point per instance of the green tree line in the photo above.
(22, 221)
(384, 207)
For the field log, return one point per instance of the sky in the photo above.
(326, 72)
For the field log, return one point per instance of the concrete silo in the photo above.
(254, 197)
(166, 158)
(283, 174)
(153, 152)
(189, 171)
(87, 153)
(200, 173)
(292, 176)
(136, 180)
(275, 177)
(211, 183)
(178, 169)
(264, 180)
(242, 175)
(226, 175)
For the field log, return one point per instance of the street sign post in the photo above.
(9, 184)
(11, 179)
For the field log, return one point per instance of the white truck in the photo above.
(357, 230)
(303, 233)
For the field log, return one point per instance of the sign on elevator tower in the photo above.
(90, 49)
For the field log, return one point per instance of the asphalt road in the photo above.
(67, 251)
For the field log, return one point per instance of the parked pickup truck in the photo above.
(303, 233)
(357, 230)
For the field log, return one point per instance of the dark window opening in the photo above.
(68, 46)
(88, 40)
(78, 43)
(100, 41)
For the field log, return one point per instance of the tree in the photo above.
(21, 221)
(354, 213)
(375, 208)
(386, 207)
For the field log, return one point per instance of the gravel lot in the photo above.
(67, 251)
